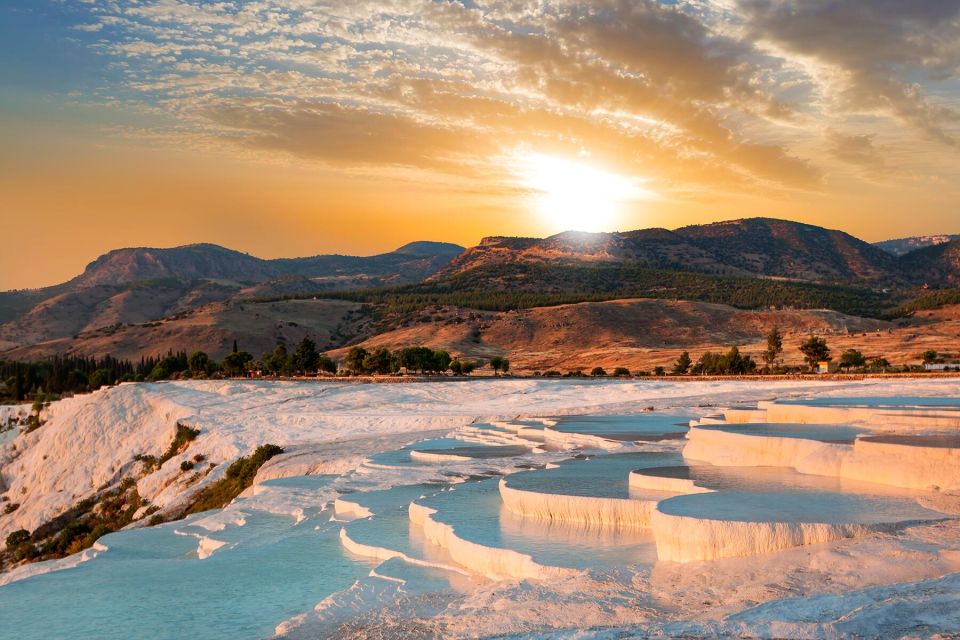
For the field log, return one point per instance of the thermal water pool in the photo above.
(151, 583)
(644, 427)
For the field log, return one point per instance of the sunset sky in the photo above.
(295, 127)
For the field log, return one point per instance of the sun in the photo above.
(576, 196)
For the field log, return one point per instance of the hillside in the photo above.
(937, 265)
(142, 285)
(753, 247)
(144, 301)
(257, 327)
(903, 246)
(642, 334)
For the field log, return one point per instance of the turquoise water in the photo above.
(646, 427)
(823, 433)
(476, 513)
(776, 494)
(874, 401)
(602, 476)
(939, 441)
(150, 584)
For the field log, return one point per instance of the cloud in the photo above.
(883, 51)
(699, 94)
(857, 149)
(352, 136)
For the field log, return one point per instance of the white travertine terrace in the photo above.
(492, 562)
(724, 448)
(597, 511)
(689, 539)
(910, 466)
(429, 456)
(642, 481)
(914, 465)
(878, 417)
(916, 462)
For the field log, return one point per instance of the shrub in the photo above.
(598, 371)
(621, 372)
(239, 476)
(181, 439)
(17, 538)
(186, 465)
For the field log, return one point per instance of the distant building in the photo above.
(941, 366)
(827, 366)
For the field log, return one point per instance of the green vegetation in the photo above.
(815, 350)
(682, 365)
(79, 527)
(774, 350)
(462, 367)
(925, 302)
(498, 364)
(852, 359)
(732, 362)
(239, 476)
(519, 286)
(597, 372)
(181, 440)
(58, 375)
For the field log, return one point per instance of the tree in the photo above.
(198, 362)
(774, 347)
(598, 371)
(236, 362)
(306, 358)
(499, 363)
(682, 366)
(852, 358)
(278, 362)
(456, 367)
(19, 392)
(659, 371)
(815, 350)
(101, 377)
(880, 363)
(165, 368)
(378, 361)
(354, 360)
(441, 361)
(929, 356)
(621, 372)
(731, 362)
(234, 350)
(326, 364)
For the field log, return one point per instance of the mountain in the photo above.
(936, 265)
(901, 246)
(141, 285)
(409, 263)
(190, 262)
(751, 247)
(148, 300)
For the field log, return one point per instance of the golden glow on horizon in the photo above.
(574, 195)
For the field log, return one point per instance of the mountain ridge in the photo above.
(752, 263)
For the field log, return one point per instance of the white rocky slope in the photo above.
(89, 441)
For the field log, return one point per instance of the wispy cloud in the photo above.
(700, 94)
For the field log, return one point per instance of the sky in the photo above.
(299, 127)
